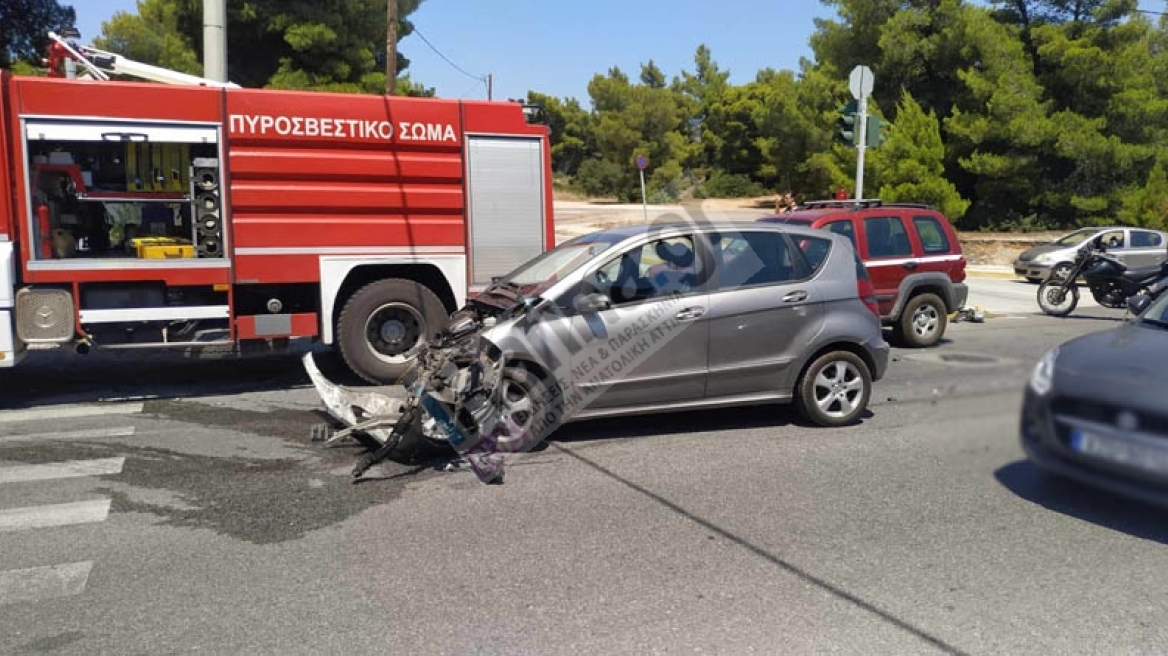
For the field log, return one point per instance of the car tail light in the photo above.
(868, 295)
(865, 289)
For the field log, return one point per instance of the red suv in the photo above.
(912, 255)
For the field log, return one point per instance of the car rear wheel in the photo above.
(923, 321)
(835, 389)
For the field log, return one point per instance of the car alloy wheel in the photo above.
(925, 320)
(835, 389)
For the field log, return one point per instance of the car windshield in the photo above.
(1157, 313)
(538, 274)
(1075, 237)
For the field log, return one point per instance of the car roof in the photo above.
(804, 216)
(707, 225)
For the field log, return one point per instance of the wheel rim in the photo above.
(925, 320)
(393, 332)
(518, 412)
(1055, 297)
(839, 389)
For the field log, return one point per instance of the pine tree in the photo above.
(911, 163)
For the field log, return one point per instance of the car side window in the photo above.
(814, 250)
(753, 258)
(1113, 239)
(887, 237)
(932, 235)
(844, 227)
(656, 269)
(1145, 239)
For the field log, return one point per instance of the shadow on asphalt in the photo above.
(1080, 501)
(59, 378)
(683, 423)
(432, 456)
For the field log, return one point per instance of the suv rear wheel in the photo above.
(923, 321)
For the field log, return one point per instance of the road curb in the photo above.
(992, 275)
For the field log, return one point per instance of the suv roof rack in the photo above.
(859, 203)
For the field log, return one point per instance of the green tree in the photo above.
(1148, 206)
(572, 138)
(151, 36)
(911, 163)
(999, 129)
(24, 28)
(298, 44)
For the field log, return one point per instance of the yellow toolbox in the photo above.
(163, 248)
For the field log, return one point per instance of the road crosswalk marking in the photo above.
(69, 412)
(60, 514)
(47, 582)
(58, 470)
(34, 584)
(85, 434)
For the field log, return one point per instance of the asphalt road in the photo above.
(200, 518)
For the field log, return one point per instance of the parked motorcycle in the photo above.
(1109, 280)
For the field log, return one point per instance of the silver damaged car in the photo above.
(641, 319)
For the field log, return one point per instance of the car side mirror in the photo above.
(1137, 304)
(590, 303)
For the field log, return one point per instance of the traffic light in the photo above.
(845, 125)
(873, 135)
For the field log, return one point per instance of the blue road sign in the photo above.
(642, 162)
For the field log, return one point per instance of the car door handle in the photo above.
(795, 297)
(690, 313)
(911, 264)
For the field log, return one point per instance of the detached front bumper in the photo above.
(1048, 441)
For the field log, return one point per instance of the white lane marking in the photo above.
(70, 412)
(62, 514)
(94, 433)
(57, 470)
(34, 584)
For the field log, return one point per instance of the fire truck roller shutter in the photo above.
(506, 204)
(384, 324)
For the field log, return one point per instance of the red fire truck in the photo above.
(194, 214)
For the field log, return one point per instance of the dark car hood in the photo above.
(1031, 253)
(1126, 366)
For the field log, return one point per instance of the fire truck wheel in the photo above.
(384, 324)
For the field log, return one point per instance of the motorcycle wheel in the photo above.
(1053, 296)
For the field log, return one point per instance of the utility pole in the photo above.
(391, 48)
(490, 84)
(215, 40)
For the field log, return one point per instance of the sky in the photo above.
(556, 46)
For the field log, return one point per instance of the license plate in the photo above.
(1126, 451)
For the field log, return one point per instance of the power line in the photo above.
(480, 78)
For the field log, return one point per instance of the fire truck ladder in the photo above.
(99, 65)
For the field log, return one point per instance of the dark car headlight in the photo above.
(1042, 378)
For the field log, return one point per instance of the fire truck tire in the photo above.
(383, 324)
